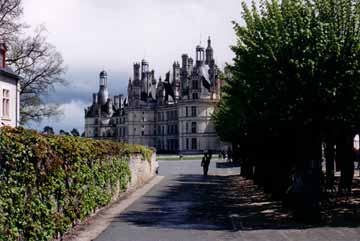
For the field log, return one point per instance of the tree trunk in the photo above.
(330, 161)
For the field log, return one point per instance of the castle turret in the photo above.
(103, 94)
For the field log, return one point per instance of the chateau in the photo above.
(173, 115)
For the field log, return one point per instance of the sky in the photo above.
(93, 35)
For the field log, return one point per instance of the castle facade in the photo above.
(173, 115)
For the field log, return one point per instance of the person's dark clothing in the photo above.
(205, 163)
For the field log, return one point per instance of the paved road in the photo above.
(186, 206)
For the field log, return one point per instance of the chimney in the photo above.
(3, 50)
(121, 101)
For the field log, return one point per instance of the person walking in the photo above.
(205, 163)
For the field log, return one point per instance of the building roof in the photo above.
(7, 71)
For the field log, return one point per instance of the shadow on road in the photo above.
(214, 203)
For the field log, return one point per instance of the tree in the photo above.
(75, 132)
(41, 68)
(48, 130)
(64, 133)
(10, 13)
(37, 62)
(294, 84)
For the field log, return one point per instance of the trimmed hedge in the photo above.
(50, 183)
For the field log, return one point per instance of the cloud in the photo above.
(113, 34)
(82, 83)
(73, 117)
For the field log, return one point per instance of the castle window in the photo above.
(193, 111)
(195, 84)
(195, 96)
(187, 128)
(193, 127)
(187, 144)
(193, 144)
(187, 111)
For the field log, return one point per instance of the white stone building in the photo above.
(9, 93)
(173, 115)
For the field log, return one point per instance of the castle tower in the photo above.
(209, 53)
(103, 94)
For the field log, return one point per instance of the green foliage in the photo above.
(293, 85)
(49, 183)
(296, 65)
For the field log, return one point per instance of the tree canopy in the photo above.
(37, 62)
(296, 63)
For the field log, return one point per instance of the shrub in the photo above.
(49, 183)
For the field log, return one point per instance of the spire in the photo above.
(209, 53)
(209, 43)
(103, 78)
(103, 94)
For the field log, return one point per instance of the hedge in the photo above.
(49, 183)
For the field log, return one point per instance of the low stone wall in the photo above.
(142, 171)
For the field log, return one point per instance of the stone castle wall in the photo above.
(142, 171)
